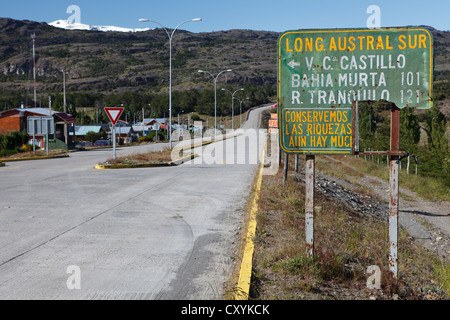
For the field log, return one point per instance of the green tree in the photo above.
(3, 142)
(409, 130)
(16, 139)
(435, 125)
(94, 136)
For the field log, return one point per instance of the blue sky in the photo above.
(275, 15)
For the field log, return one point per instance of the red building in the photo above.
(16, 120)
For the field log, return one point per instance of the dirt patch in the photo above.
(426, 221)
(163, 156)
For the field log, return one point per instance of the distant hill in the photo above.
(118, 61)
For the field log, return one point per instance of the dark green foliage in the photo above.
(94, 136)
(12, 142)
(409, 130)
(3, 142)
(436, 155)
(16, 139)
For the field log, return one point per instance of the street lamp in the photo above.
(240, 114)
(232, 104)
(170, 67)
(215, 94)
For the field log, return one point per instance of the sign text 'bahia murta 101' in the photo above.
(321, 73)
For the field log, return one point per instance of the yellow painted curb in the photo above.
(245, 274)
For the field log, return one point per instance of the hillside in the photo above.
(115, 61)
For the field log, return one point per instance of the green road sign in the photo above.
(322, 72)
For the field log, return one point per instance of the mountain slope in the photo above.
(118, 61)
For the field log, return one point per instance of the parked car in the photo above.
(83, 144)
(102, 143)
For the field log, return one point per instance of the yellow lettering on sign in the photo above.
(412, 41)
(370, 41)
(333, 44)
(380, 44)
(352, 43)
(318, 128)
(422, 41)
(388, 46)
(309, 44)
(402, 38)
(287, 46)
(319, 45)
(298, 44)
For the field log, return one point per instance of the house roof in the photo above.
(65, 117)
(83, 130)
(152, 121)
(140, 128)
(123, 130)
(41, 112)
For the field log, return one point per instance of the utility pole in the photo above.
(33, 39)
(143, 116)
(66, 127)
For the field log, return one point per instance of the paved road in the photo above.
(154, 233)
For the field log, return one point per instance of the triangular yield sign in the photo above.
(114, 114)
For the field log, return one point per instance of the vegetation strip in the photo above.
(145, 165)
(245, 274)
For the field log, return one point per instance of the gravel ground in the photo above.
(426, 221)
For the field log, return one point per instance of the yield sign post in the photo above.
(114, 115)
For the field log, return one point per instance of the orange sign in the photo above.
(273, 123)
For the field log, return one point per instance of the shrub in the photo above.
(26, 148)
(16, 139)
(94, 136)
(3, 142)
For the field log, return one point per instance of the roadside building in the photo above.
(141, 130)
(156, 124)
(16, 120)
(82, 130)
(124, 132)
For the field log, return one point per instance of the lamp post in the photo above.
(232, 104)
(170, 35)
(215, 94)
(240, 114)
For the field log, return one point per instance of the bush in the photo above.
(151, 137)
(92, 136)
(3, 142)
(26, 148)
(195, 117)
(16, 139)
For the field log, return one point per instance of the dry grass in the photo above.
(346, 244)
(144, 158)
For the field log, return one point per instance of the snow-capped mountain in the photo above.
(70, 25)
